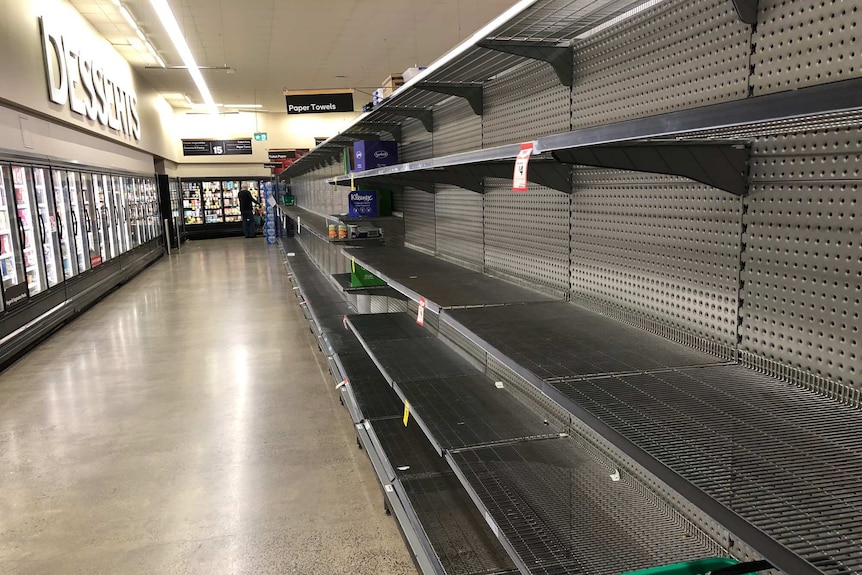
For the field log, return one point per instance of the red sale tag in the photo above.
(522, 161)
(420, 317)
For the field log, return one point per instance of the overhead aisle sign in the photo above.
(217, 147)
(321, 102)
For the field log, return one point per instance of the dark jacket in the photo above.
(246, 201)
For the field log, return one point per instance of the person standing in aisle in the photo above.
(246, 210)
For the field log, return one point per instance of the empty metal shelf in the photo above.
(388, 326)
(458, 534)
(457, 405)
(786, 460)
(407, 449)
(442, 284)
(562, 512)
(557, 341)
(373, 395)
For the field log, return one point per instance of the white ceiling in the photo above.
(270, 45)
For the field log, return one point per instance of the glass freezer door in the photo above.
(134, 217)
(121, 223)
(91, 224)
(107, 209)
(34, 266)
(79, 231)
(149, 215)
(231, 203)
(102, 221)
(213, 209)
(64, 221)
(11, 259)
(192, 207)
(50, 234)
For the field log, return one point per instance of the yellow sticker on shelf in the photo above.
(353, 264)
(352, 183)
(406, 412)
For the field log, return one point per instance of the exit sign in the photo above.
(260, 136)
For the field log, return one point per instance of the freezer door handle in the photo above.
(42, 229)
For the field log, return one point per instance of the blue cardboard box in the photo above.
(368, 155)
(363, 204)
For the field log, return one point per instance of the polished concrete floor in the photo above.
(186, 424)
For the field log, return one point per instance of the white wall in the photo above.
(23, 83)
(39, 138)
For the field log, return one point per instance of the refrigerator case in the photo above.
(34, 266)
(48, 225)
(11, 258)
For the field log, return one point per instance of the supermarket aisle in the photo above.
(184, 425)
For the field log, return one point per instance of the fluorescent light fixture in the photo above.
(154, 54)
(616, 20)
(173, 29)
(128, 16)
(243, 105)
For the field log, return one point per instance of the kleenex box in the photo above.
(368, 155)
(363, 204)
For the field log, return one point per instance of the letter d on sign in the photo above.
(55, 63)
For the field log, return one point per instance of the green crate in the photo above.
(361, 277)
(697, 567)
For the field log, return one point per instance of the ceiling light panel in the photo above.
(166, 16)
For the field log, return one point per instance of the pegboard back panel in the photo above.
(420, 228)
(805, 42)
(459, 226)
(660, 247)
(416, 142)
(802, 274)
(679, 54)
(527, 235)
(456, 128)
(526, 103)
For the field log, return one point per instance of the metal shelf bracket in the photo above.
(746, 10)
(424, 115)
(544, 173)
(559, 55)
(391, 128)
(472, 92)
(723, 165)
